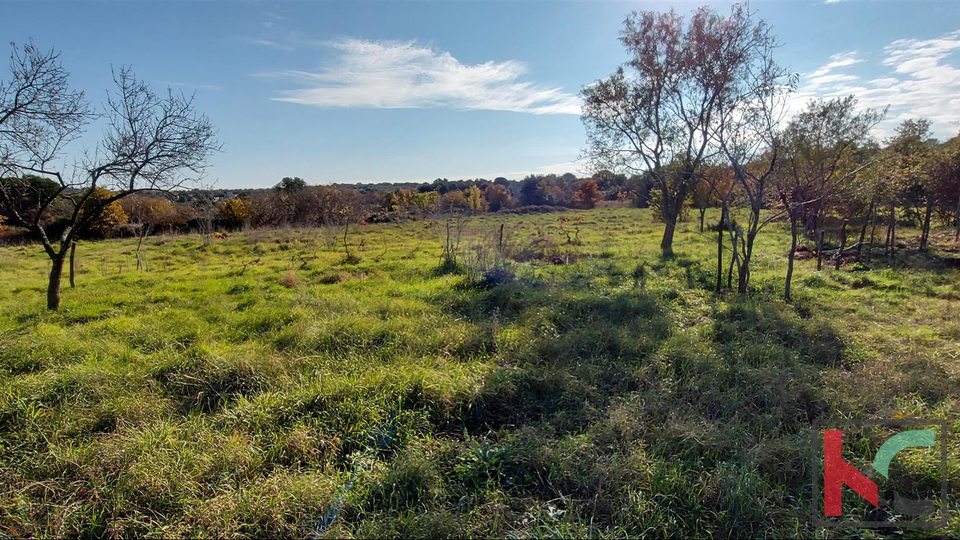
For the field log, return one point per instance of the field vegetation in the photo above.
(435, 380)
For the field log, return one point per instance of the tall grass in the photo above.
(597, 391)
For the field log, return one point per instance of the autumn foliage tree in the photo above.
(497, 197)
(475, 200)
(106, 218)
(658, 113)
(587, 194)
(153, 213)
(233, 213)
(453, 201)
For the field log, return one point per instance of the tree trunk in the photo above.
(743, 274)
(820, 253)
(819, 217)
(141, 260)
(734, 261)
(743, 283)
(672, 205)
(873, 230)
(73, 265)
(666, 244)
(886, 240)
(891, 229)
(811, 220)
(956, 216)
(925, 232)
(793, 252)
(53, 286)
(723, 216)
(843, 245)
(702, 212)
(863, 230)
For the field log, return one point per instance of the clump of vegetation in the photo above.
(233, 213)
(289, 280)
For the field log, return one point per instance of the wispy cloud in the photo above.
(270, 19)
(192, 86)
(392, 74)
(839, 60)
(576, 167)
(273, 44)
(833, 1)
(921, 80)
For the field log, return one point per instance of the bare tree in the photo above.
(819, 144)
(748, 132)
(660, 119)
(150, 143)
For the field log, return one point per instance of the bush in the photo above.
(233, 213)
(289, 280)
(534, 209)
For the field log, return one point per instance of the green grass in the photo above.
(612, 396)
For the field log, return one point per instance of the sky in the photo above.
(410, 91)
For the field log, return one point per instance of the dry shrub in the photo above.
(289, 280)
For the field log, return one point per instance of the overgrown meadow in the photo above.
(572, 383)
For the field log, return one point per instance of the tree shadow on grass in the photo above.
(599, 398)
(604, 417)
(570, 353)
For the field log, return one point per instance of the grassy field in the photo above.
(265, 386)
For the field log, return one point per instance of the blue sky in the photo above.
(405, 91)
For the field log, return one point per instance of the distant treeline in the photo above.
(293, 202)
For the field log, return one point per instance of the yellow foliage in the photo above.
(110, 217)
(475, 201)
(158, 213)
(426, 202)
(453, 200)
(233, 212)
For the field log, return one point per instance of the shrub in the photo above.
(289, 280)
(234, 213)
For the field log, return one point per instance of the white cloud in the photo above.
(389, 74)
(833, 1)
(827, 80)
(921, 80)
(575, 166)
(838, 60)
